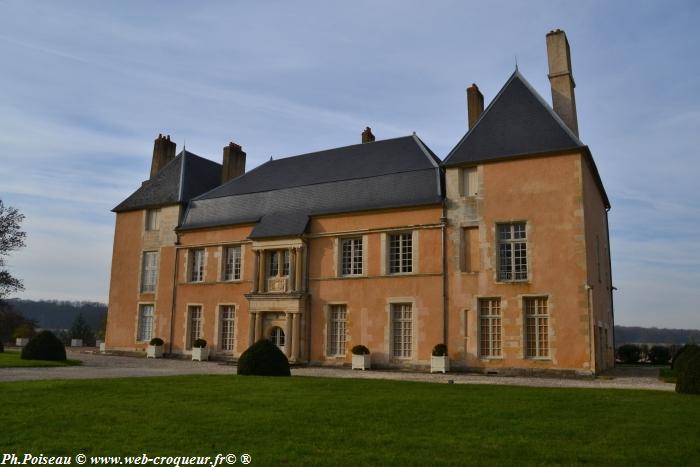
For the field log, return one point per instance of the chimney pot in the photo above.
(367, 136)
(163, 152)
(475, 104)
(233, 163)
(561, 78)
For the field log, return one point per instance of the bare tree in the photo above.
(11, 239)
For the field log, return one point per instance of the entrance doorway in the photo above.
(277, 337)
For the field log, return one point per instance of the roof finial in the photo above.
(184, 146)
(516, 63)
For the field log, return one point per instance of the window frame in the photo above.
(151, 271)
(223, 331)
(469, 178)
(540, 320)
(140, 320)
(192, 276)
(336, 329)
(356, 245)
(236, 273)
(149, 224)
(402, 250)
(518, 247)
(191, 335)
(403, 325)
(493, 350)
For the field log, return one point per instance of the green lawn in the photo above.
(13, 360)
(324, 421)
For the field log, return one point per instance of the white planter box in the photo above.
(103, 347)
(98, 343)
(439, 364)
(200, 354)
(21, 341)
(361, 362)
(76, 342)
(154, 351)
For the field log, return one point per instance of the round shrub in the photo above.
(659, 354)
(629, 353)
(199, 343)
(44, 346)
(263, 359)
(683, 353)
(156, 341)
(440, 350)
(688, 381)
(360, 350)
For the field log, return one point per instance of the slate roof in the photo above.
(518, 123)
(183, 178)
(280, 195)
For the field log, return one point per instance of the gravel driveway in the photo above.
(112, 366)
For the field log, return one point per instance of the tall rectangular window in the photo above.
(402, 330)
(145, 328)
(401, 253)
(195, 323)
(232, 263)
(275, 259)
(470, 185)
(149, 271)
(352, 256)
(336, 330)
(152, 219)
(512, 252)
(197, 265)
(285, 262)
(228, 317)
(536, 327)
(490, 327)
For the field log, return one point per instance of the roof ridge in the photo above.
(339, 147)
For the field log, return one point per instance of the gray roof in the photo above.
(517, 122)
(183, 178)
(280, 195)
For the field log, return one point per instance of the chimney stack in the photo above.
(367, 136)
(475, 104)
(163, 152)
(561, 78)
(234, 162)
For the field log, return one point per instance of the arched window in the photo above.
(277, 336)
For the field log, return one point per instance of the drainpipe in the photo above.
(443, 228)
(174, 297)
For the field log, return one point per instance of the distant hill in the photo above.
(639, 335)
(54, 314)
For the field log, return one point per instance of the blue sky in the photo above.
(86, 86)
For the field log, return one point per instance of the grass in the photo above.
(668, 375)
(13, 360)
(324, 421)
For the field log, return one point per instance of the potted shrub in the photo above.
(360, 358)
(439, 360)
(155, 348)
(22, 334)
(200, 351)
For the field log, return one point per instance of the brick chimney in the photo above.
(367, 136)
(163, 152)
(561, 78)
(475, 104)
(234, 162)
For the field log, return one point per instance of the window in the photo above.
(402, 330)
(536, 327)
(277, 336)
(195, 318)
(145, 327)
(197, 265)
(149, 272)
(152, 219)
(228, 316)
(273, 263)
(470, 185)
(232, 263)
(400, 253)
(512, 252)
(336, 330)
(352, 257)
(490, 327)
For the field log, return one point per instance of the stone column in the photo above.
(251, 328)
(291, 280)
(258, 326)
(299, 269)
(261, 271)
(296, 317)
(256, 265)
(288, 335)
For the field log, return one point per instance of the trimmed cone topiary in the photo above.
(688, 381)
(263, 359)
(44, 346)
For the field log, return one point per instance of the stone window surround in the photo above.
(523, 311)
(528, 249)
(386, 253)
(143, 268)
(187, 345)
(218, 329)
(338, 254)
(388, 333)
(326, 314)
(221, 254)
(151, 216)
(477, 312)
(139, 305)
